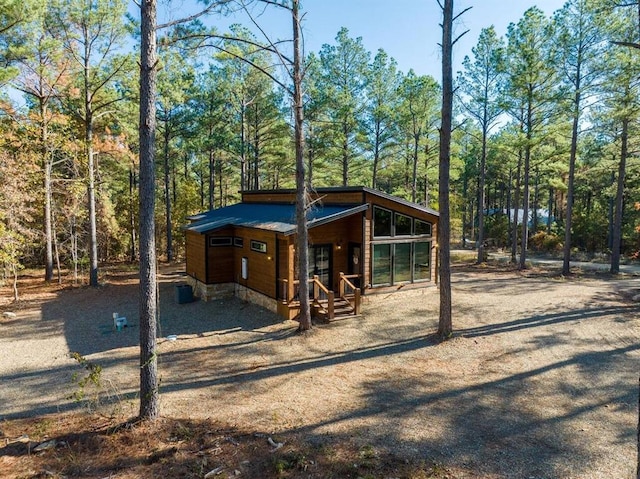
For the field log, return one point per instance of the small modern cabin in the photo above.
(360, 240)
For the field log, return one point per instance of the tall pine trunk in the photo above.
(525, 192)
(481, 187)
(167, 192)
(149, 395)
(301, 185)
(572, 168)
(445, 326)
(619, 202)
(91, 180)
(516, 207)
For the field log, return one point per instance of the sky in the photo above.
(408, 30)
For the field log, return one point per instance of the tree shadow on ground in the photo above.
(491, 423)
(86, 315)
(494, 427)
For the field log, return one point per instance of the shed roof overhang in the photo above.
(279, 218)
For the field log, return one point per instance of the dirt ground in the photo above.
(540, 380)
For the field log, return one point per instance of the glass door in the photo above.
(320, 264)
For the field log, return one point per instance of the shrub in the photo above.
(546, 243)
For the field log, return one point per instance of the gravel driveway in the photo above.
(540, 380)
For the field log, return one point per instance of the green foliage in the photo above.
(497, 228)
(227, 124)
(91, 380)
(546, 243)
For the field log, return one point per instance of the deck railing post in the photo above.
(356, 306)
(316, 288)
(342, 284)
(331, 305)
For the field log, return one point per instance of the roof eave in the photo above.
(331, 218)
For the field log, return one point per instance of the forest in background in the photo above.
(546, 118)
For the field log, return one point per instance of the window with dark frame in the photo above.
(403, 225)
(422, 228)
(238, 242)
(220, 241)
(381, 222)
(259, 246)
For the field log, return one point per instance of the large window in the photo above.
(422, 228)
(401, 248)
(381, 222)
(403, 225)
(381, 264)
(421, 261)
(402, 263)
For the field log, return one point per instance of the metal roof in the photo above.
(279, 218)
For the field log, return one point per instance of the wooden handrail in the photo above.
(319, 285)
(289, 288)
(344, 281)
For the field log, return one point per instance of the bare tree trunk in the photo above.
(481, 187)
(311, 154)
(617, 221)
(301, 185)
(414, 179)
(426, 174)
(638, 429)
(91, 199)
(509, 188)
(465, 207)
(345, 155)
(212, 179)
(549, 210)
(47, 167)
(14, 271)
(167, 192)
(536, 198)
(376, 156)
(525, 203)
(243, 154)
(256, 150)
(445, 326)
(149, 395)
(74, 249)
(572, 168)
(132, 217)
(91, 186)
(516, 207)
(56, 253)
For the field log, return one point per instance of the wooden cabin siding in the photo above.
(366, 252)
(286, 260)
(338, 233)
(340, 197)
(268, 197)
(195, 258)
(223, 264)
(261, 266)
(220, 259)
(289, 196)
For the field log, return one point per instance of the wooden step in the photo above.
(341, 309)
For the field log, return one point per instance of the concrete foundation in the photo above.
(208, 292)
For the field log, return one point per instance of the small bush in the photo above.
(546, 243)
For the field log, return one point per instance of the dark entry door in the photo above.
(320, 264)
(355, 262)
